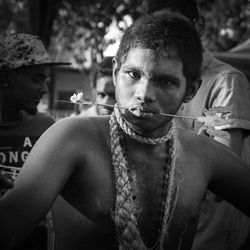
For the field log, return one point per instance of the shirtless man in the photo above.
(221, 227)
(68, 223)
(139, 180)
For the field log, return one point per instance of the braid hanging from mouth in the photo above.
(126, 211)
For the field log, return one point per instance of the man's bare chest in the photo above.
(93, 191)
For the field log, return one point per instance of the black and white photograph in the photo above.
(125, 124)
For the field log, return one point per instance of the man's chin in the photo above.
(105, 111)
(31, 111)
(138, 124)
(144, 124)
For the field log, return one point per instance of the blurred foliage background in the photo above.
(82, 31)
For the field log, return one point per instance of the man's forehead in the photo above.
(153, 61)
(105, 83)
(34, 70)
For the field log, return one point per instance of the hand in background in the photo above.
(6, 181)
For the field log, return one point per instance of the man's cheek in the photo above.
(99, 99)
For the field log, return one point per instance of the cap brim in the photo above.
(51, 64)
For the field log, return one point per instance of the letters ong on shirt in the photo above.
(14, 150)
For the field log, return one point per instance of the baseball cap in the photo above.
(20, 50)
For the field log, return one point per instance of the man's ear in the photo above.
(192, 90)
(115, 70)
(4, 79)
(200, 25)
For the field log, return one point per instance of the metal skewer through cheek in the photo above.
(112, 106)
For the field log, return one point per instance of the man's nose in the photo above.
(145, 91)
(44, 88)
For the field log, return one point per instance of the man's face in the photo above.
(27, 87)
(150, 83)
(105, 94)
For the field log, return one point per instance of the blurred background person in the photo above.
(104, 89)
(24, 74)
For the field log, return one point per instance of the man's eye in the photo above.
(134, 75)
(40, 79)
(101, 94)
(35, 79)
(167, 83)
(170, 83)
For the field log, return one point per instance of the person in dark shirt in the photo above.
(24, 73)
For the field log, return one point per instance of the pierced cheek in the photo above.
(100, 99)
(105, 100)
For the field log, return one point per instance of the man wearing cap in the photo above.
(24, 73)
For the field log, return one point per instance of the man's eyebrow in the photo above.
(160, 77)
(154, 75)
(42, 75)
(133, 68)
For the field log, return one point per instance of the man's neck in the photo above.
(9, 111)
(10, 116)
(129, 130)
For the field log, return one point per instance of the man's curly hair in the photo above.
(104, 68)
(172, 36)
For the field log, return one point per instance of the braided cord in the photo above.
(136, 136)
(169, 178)
(125, 208)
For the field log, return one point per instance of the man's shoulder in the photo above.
(192, 143)
(92, 111)
(184, 138)
(84, 125)
(45, 117)
(217, 68)
(83, 133)
(40, 122)
(200, 147)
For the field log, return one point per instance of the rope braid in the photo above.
(123, 124)
(166, 201)
(125, 213)
(125, 210)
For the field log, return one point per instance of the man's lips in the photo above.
(36, 101)
(142, 111)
